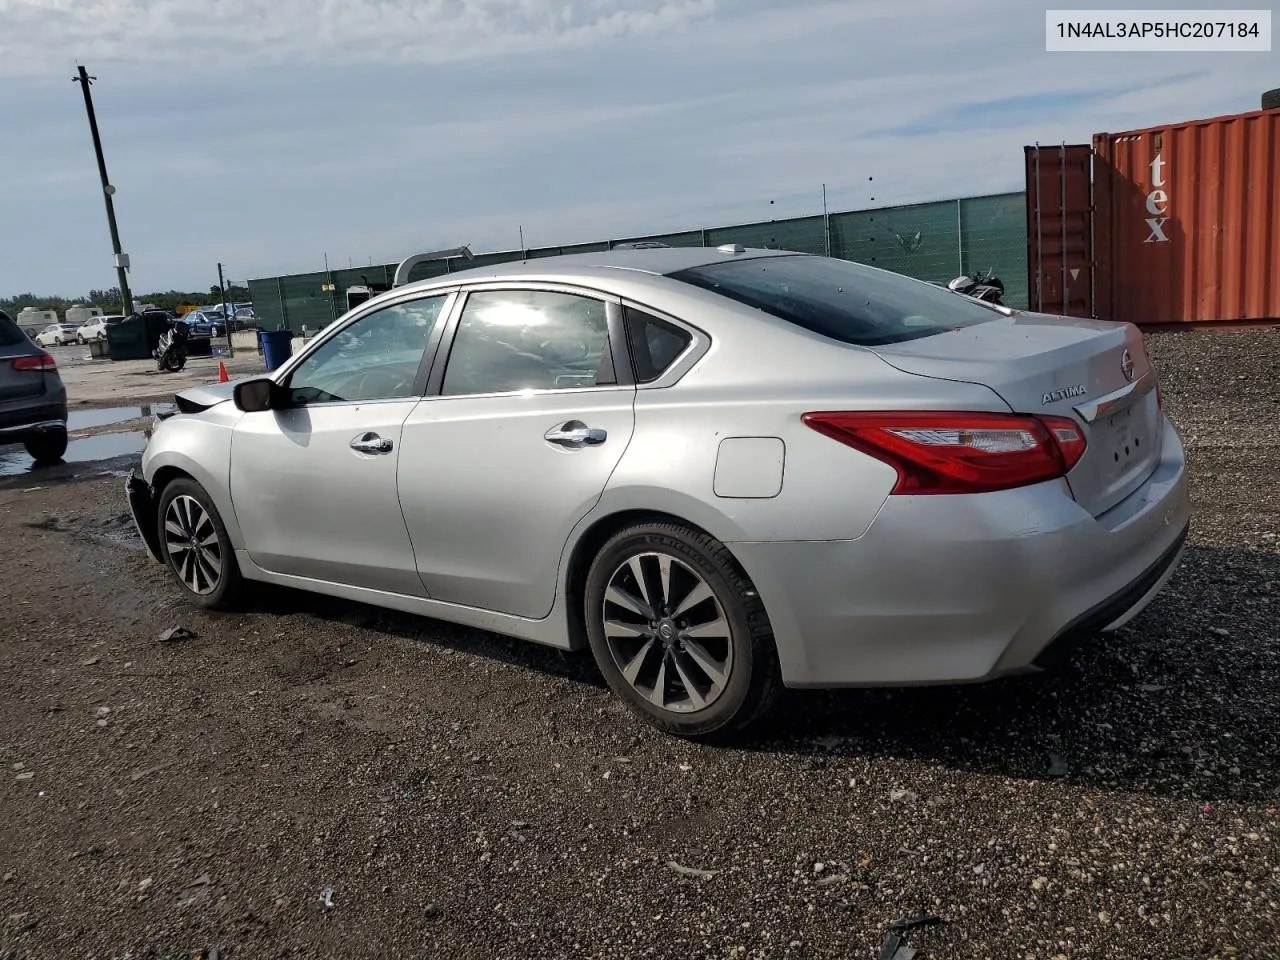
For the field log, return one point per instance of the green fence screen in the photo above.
(928, 241)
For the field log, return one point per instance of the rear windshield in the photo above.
(10, 333)
(845, 301)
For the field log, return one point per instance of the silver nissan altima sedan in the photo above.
(724, 470)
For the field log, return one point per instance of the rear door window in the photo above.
(839, 299)
(514, 340)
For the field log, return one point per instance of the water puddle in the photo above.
(104, 446)
(14, 460)
(85, 419)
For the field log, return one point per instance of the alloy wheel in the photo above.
(667, 632)
(192, 541)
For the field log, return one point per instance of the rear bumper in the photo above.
(19, 423)
(1115, 611)
(963, 589)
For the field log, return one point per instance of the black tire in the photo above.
(754, 678)
(229, 591)
(47, 447)
(174, 362)
(1271, 99)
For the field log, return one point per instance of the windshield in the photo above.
(839, 299)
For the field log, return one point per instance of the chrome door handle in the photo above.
(371, 443)
(575, 434)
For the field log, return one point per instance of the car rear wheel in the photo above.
(679, 632)
(47, 447)
(196, 547)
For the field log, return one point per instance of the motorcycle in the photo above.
(171, 353)
(981, 286)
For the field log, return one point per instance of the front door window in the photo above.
(377, 357)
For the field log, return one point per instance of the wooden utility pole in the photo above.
(108, 191)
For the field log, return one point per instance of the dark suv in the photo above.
(33, 400)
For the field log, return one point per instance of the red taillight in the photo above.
(959, 452)
(41, 361)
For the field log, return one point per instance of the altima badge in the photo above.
(1065, 393)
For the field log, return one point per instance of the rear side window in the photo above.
(654, 344)
(10, 333)
(839, 299)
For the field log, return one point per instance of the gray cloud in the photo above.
(367, 129)
(239, 33)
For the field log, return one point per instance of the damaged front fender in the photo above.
(142, 506)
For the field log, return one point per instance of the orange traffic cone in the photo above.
(222, 372)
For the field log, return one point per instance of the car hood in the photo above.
(196, 399)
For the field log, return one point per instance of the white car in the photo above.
(57, 335)
(96, 329)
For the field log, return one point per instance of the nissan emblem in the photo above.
(1126, 365)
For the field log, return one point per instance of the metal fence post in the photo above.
(959, 239)
(826, 224)
(284, 310)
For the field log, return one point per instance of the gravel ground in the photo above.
(317, 778)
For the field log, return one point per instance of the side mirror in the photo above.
(254, 396)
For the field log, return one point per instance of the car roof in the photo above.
(656, 261)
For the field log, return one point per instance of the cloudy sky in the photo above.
(265, 133)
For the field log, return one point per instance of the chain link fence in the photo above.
(928, 241)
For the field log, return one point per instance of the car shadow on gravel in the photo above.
(1182, 702)
(575, 666)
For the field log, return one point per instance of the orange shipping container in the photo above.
(1187, 221)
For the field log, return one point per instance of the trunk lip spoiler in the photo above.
(1117, 400)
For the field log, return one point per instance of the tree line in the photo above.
(110, 302)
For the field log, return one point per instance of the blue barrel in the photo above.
(277, 346)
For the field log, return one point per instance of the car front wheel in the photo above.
(196, 547)
(679, 632)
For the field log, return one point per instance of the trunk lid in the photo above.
(1063, 366)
